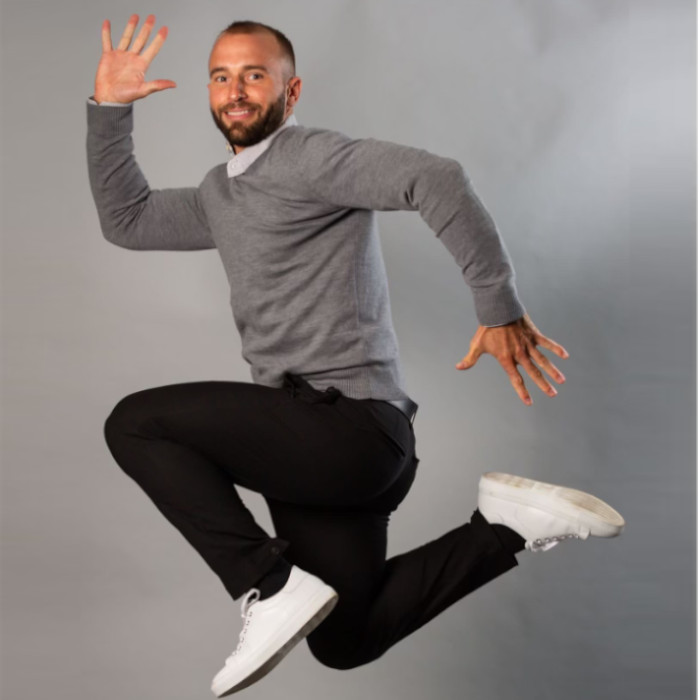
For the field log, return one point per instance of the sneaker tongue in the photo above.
(251, 598)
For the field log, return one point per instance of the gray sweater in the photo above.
(297, 235)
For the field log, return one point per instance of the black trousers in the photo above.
(332, 469)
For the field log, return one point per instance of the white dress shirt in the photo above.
(241, 162)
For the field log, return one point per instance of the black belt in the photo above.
(406, 406)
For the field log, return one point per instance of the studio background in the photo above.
(575, 120)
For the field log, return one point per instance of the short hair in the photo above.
(249, 27)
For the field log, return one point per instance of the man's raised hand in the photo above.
(516, 344)
(121, 73)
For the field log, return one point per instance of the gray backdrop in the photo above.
(576, 121)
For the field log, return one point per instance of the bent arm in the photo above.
(379, 175)
(131, 214)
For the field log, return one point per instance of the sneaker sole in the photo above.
(327, 605)
(601, 519)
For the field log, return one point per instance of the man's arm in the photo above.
(131, 214)
(379, 175)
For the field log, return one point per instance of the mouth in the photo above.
(239, 114)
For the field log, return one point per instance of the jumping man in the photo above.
(325, 431)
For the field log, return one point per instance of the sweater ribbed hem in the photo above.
(371, 382)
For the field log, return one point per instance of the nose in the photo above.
(236, 90)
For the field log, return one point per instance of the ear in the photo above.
(293, 91)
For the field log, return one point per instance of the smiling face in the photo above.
(252, 89)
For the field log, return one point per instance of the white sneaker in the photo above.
(545, 514)
(272, 627)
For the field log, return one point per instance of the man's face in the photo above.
(251, 88)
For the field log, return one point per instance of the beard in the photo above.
(244, 135)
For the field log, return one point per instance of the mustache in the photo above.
(237, 105)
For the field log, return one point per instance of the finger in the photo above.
(158, 85)
(547, 365)
(106, 36)
(537, 376)
(518, 382)
(143, 35)
(550, 344)
(469, 360)
(128, 33)
(154, 47)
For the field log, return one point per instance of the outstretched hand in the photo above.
(121, 73)
(516, 344)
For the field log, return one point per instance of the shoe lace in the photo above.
(542, 545)
(252, 597)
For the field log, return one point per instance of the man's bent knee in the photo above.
(128, 420)
(120, 421)
(337, 654)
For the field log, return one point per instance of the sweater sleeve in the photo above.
(132, 215)
(371, 174)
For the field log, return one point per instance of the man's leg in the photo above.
(180, 443)
(382, 601)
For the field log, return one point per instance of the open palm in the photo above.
(121, 73)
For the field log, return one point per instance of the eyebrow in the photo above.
(222, 69)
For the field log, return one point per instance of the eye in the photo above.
(253, 77)
(219, 79)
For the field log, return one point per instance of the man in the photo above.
(325, 431)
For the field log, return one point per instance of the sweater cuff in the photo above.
(497, 307)
(108, 120)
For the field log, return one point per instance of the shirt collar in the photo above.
(241, 162)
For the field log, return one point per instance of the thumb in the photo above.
(469, 359)
(157, 86)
